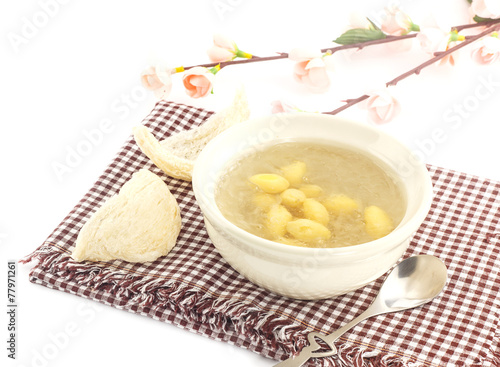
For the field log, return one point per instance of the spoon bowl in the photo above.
(412, 283)
(415, 281)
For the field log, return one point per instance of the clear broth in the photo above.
(336, 169)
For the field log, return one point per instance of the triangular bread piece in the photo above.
(176, 155)
(139, 224)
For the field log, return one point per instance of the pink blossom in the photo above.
(225, 49)
(198, 81)
(310, 69)
(382, 106)
(279, 106)
(433, 39)
(486, 51)
(451, 58)
(486, 8)
(396, 22)
(158, 79)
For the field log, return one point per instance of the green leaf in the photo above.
(373, 26)
(359, 35)
(469, 1)
(478, 19)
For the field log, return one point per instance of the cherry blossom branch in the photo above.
(493, 26)
(359, 46)
(284, 55)
(473, 25)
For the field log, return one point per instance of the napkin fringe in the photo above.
(355, 356)
(147, 294)
(494, 352)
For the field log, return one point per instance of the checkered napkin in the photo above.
(195, 289)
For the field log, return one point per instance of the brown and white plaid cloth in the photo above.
(195, 289)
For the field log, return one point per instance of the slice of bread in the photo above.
(139, 224)
(176, 155)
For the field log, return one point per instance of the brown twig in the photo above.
(437, 56)
(349, 103)
(359, 46)
(474, 25)
(284, 55)
(241, 61)
(442, 55)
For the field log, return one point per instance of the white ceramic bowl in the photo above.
(308, 273)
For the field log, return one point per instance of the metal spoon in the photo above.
(415, 281)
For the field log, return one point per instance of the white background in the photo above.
(67, 66)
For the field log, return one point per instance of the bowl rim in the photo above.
(396, 237)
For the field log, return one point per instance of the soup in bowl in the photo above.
(310, 206)
(311, 194)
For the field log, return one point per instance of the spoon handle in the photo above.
(369, 312)
(415, 281)
(308, 352)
